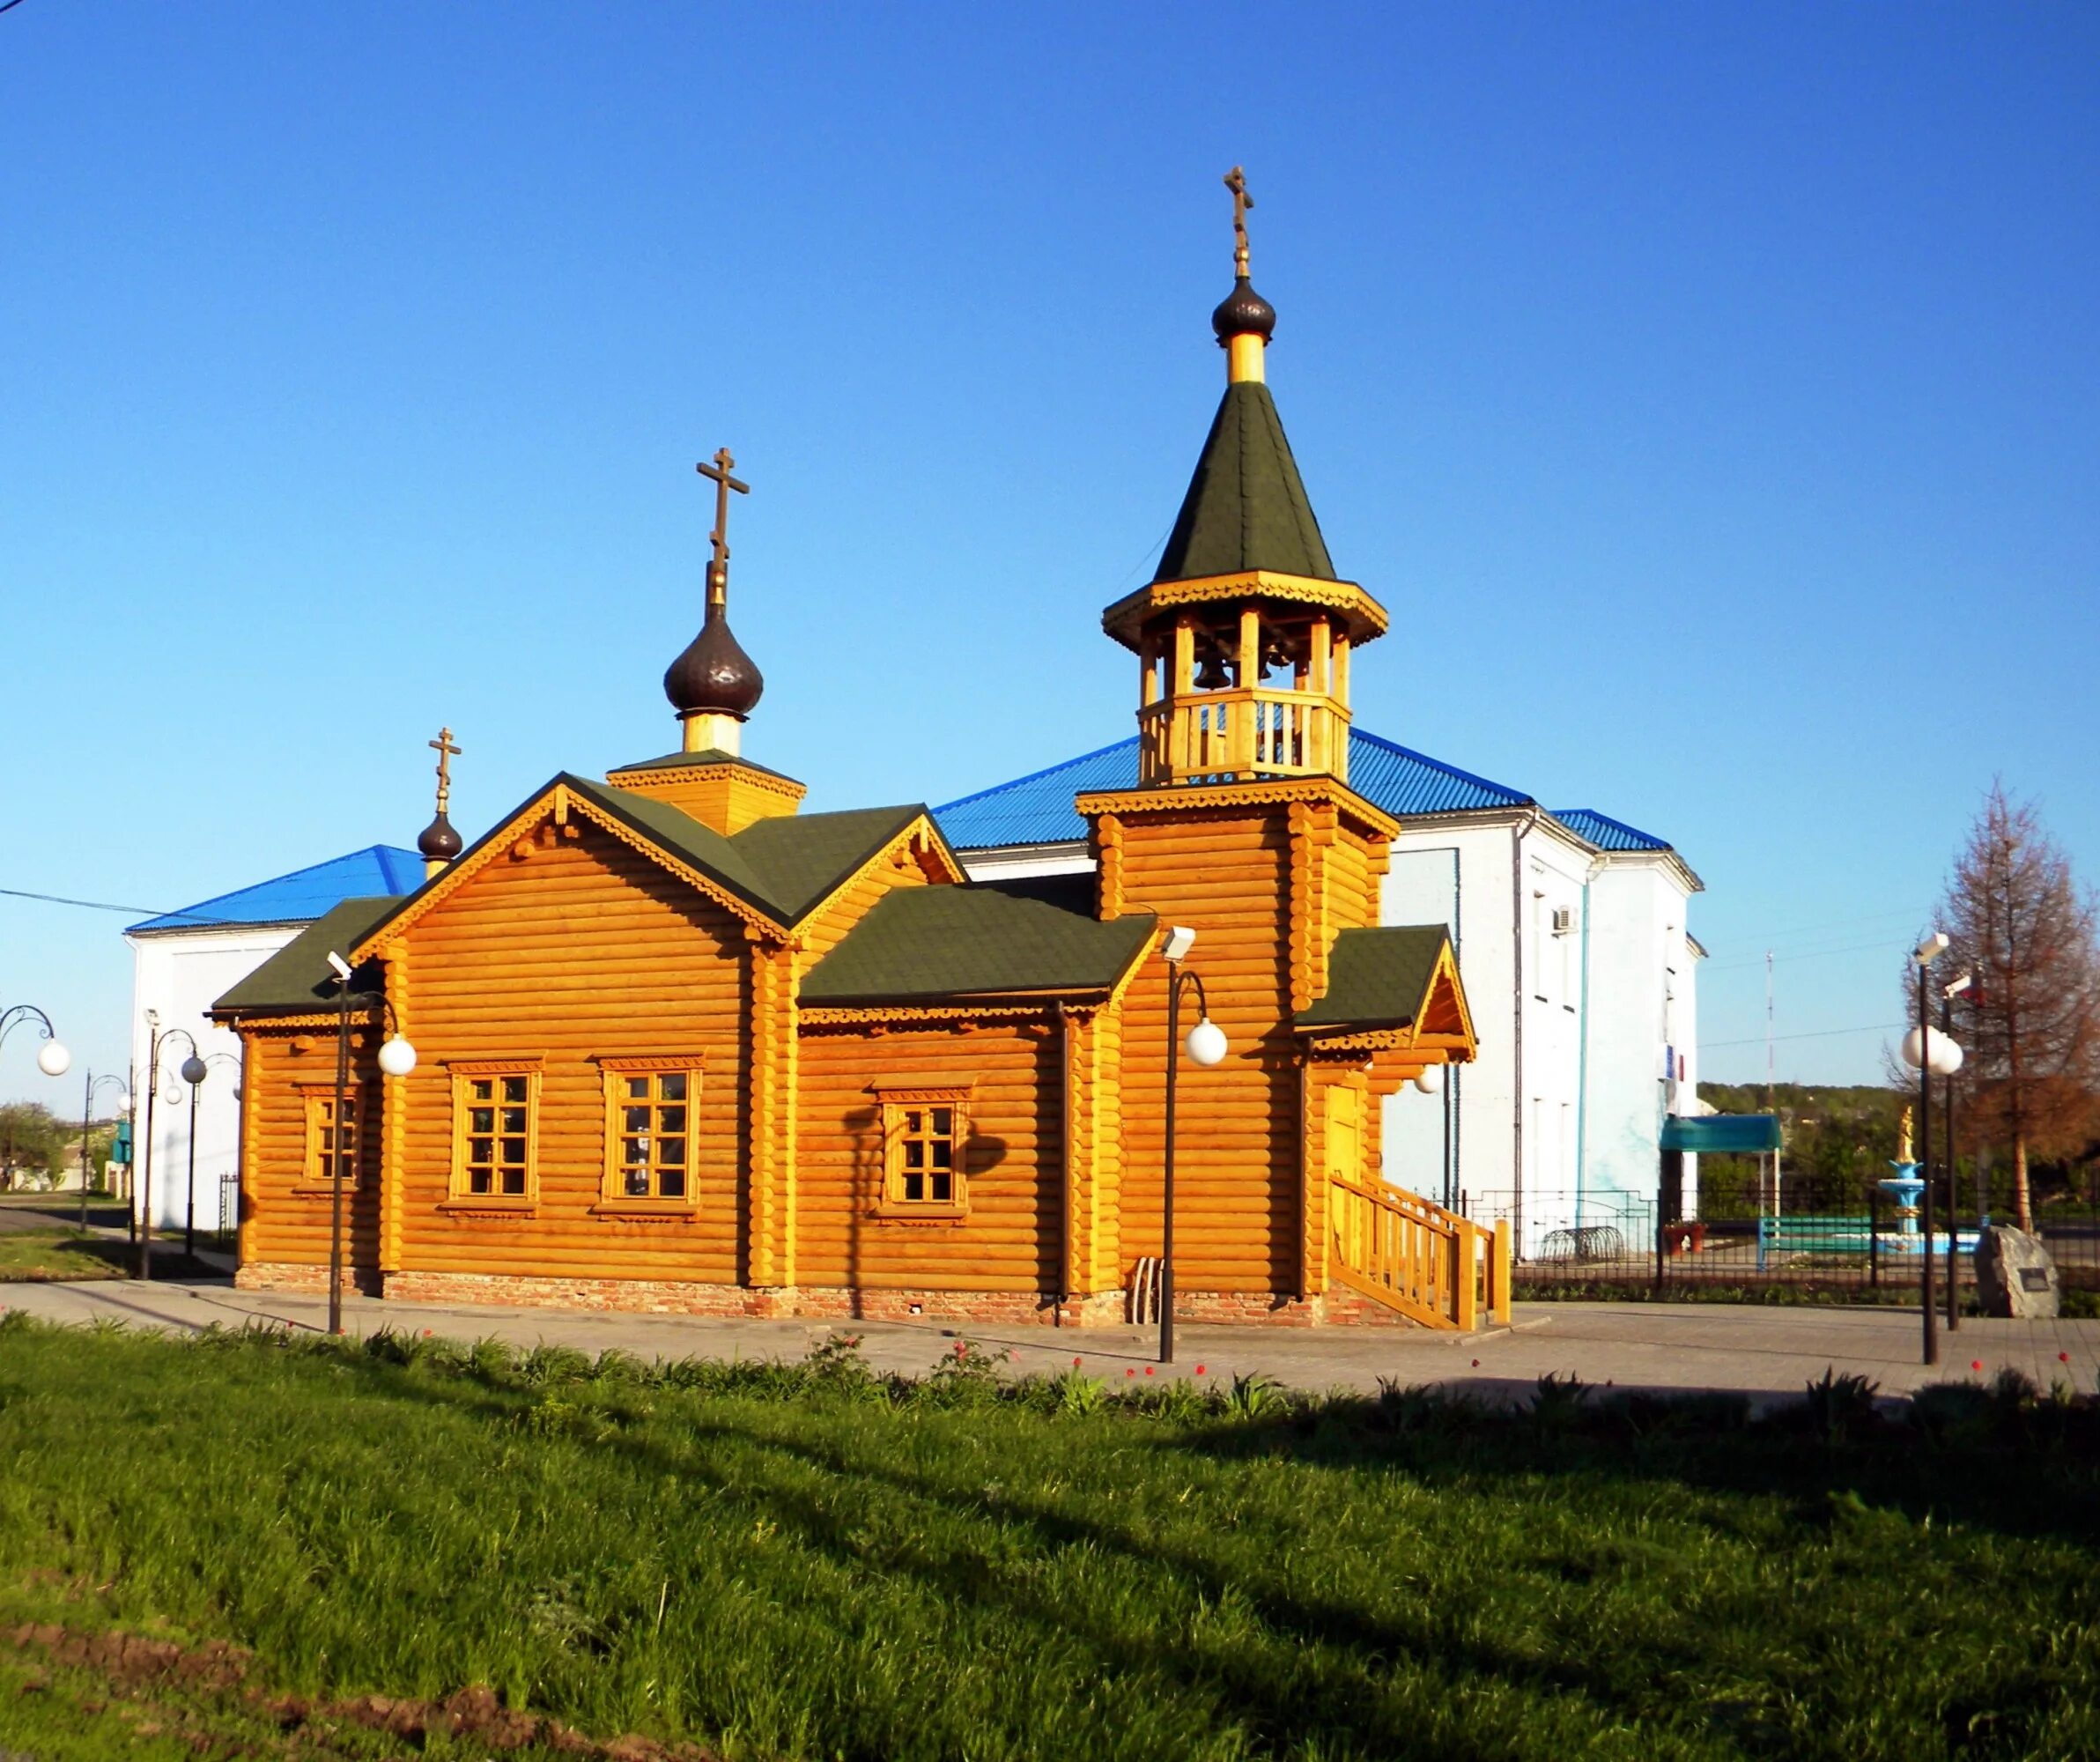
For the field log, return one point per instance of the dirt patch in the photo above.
(133, 1662)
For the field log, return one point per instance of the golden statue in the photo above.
(1903, 1148)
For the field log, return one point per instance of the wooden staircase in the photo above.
(1412, 1255)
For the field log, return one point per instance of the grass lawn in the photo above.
(56, 1253)
(808, 1561)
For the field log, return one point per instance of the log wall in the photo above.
(1226, 872)
(1009, 1239)
(283, 1219)
(583, 948)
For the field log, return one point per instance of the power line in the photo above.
(1820, 1034)
(103, 905)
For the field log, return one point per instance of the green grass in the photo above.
(811, 1561)
(30, 1255)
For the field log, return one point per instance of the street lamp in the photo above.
(87, 1121)
(193, 1074)
(203, 1068)
(397, 1058)
(1930, 1053)
(1949, 992)
(52, 1059)
(1206, 1047)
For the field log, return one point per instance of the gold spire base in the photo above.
(712, 731)
(1244, 359)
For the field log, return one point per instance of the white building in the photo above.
(1571, 937)
(182, 963)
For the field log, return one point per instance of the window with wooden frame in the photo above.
(495, 1131)
(925, 1132)
(651, 1108)
(329, 1141)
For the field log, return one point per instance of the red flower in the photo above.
(1477, 1364)
(1976, 1364)
(1148, 1370)
(1199, 1370)
(426, 1333)
(1129, 1372)
(2063, 1357)
(1074, 1364)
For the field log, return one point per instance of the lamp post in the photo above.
(197, 1084)
(1206, 1047)
(192, 1073)
(1948, 994)
(1930, 1053)
(52, 1059)
(87, 1120)
(397, 1058)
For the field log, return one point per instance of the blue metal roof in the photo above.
(1606, 833)
(1038, 808)
(304, 895)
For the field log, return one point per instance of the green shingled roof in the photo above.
(1247, 506)
(803, 856)
(925, 942)
(298, 979)
(1378, 978)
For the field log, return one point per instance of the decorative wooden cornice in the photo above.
(648, 1061)
(1125, 619)
(1194, 798)
(944, 1014)
(514, 836)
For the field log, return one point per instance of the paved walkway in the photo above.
(1769, 1353)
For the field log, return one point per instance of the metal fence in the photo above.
(229, 1210)
(1846, 1235)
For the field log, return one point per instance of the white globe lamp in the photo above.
(1206, 1043)
(1430, 1079)
(54, 1059)
(1929, 1049)
(397, 1057)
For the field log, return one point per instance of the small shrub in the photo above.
(1559, 1401)
(548, 1364)
(1836, 1408)
(1253, 1395)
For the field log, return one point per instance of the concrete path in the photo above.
(1769, 1353)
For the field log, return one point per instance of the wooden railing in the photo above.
(1242, 734)
(1411, 1254)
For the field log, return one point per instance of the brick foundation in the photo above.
(309, 1281)
(677, 1297)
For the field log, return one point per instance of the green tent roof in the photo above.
(1247, 506)
(298, 979)
(973, 942)
(1377, 977)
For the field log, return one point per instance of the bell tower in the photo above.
(1245, 632)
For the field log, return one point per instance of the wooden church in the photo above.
(683, 1048)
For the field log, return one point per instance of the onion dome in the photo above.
(1243, 313)
(713, 676)
(439, 841)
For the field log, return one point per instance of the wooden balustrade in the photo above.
(1411, 1254)
(1239, 734)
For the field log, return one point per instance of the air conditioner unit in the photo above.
(1563, 920)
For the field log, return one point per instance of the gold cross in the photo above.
(447, 753)
(718, 569)
(1235, 182)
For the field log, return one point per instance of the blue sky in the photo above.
(1709, 393)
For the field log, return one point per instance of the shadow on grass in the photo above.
(1335, 1653)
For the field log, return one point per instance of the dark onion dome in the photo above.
(715, 674)
(1244, 313)
(440, 843)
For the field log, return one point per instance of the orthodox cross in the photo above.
(718, 569)
(447, 753)
(1235, 182)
